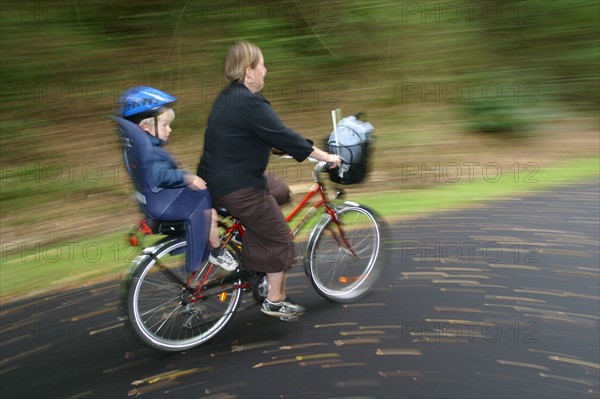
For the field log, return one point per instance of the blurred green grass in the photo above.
(36, 269)
(443, 82)
(443, 198)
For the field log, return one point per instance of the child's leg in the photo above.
(195, 208)
(213, 236)
(219, 256)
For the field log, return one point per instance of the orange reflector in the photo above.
(347, 280)
(222, 296)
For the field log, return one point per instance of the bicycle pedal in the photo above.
(289, 318)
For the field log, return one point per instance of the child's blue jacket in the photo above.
(165, 169)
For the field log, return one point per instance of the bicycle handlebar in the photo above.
(320, 166)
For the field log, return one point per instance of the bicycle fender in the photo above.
(139, 261)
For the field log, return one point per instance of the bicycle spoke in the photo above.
(342, 257)
(166, 315)
(162, 286)
(158, 306)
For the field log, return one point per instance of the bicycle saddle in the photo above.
(222, 211)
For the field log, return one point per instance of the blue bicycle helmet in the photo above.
(141, 102)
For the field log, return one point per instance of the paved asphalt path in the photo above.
(495, 302)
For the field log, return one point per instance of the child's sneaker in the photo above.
(282, 308)
(223, 259)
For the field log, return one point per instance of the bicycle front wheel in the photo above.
(345, 257)
(169, 317)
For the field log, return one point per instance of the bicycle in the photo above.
(173, 310)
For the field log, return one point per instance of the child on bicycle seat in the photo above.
(151, 110)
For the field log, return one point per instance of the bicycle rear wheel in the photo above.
(344, 261)
(169, 317)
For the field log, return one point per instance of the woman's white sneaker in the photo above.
(282, 308)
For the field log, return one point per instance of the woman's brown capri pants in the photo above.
(267, 241)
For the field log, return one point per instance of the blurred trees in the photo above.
(509, 53)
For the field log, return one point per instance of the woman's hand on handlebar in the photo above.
(321, 155)
(334, 160)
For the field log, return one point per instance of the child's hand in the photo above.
(197, 184)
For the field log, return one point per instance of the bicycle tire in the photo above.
(341, 274)
(160, 311)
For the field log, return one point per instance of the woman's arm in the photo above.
(321, 155)
(265, 123)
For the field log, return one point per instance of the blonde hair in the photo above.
(241, 55)
(167, 115)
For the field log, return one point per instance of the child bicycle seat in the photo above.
(137, 156)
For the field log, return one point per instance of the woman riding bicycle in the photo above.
(242, 130)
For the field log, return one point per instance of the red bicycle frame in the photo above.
(317, 189)
(236, 230)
